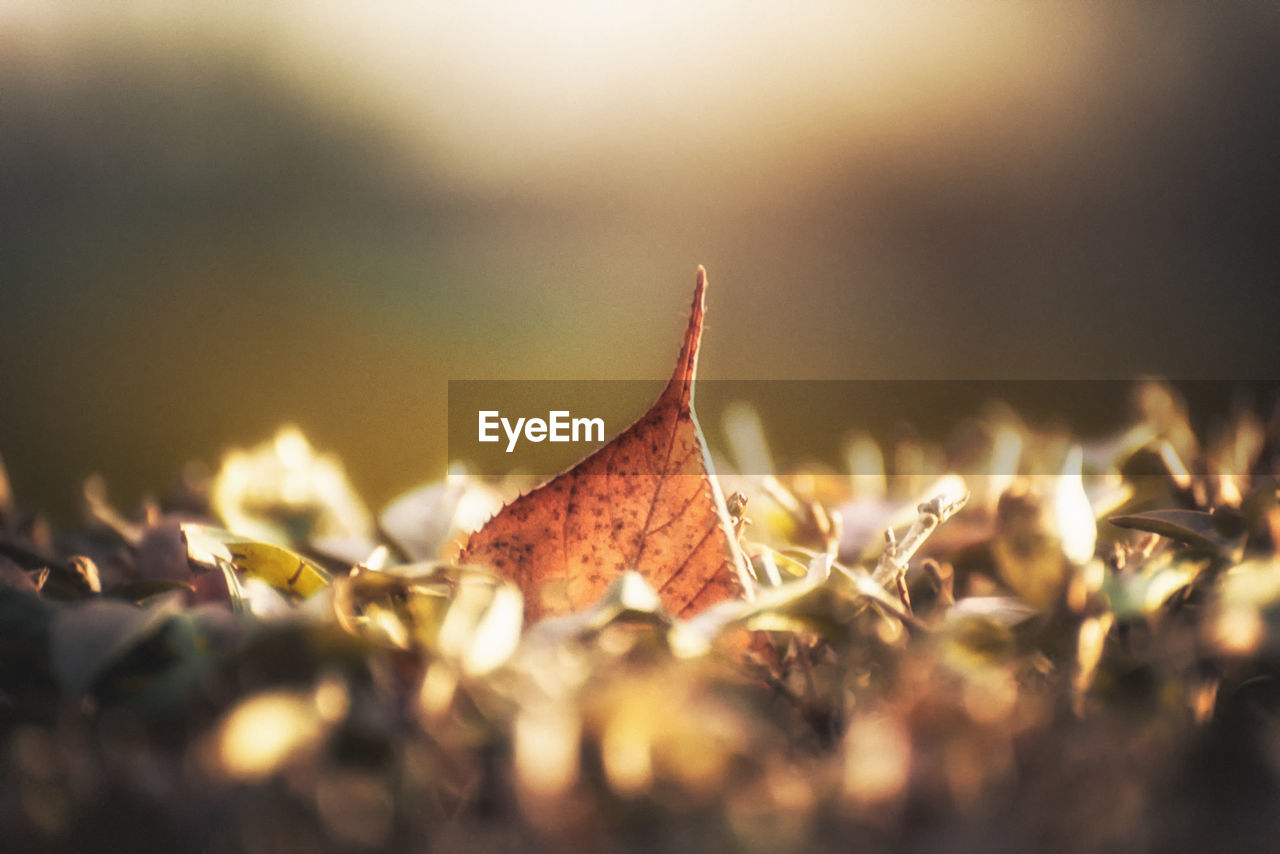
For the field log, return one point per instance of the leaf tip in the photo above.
(699, 288)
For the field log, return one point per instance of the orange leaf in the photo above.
(647, 501)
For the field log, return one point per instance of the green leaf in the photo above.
(1193, 528)
(814, 604)
(1136, 594)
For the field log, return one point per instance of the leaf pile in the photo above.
(969, 655)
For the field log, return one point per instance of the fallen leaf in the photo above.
(282, 568)
(469, 617)
(821, 605)
(162, 554)
(138, 592)
(14, 576)
(647, 501)
(88, 638)
(88, 572)
(284, 492)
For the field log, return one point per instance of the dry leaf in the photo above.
(15, 577)
(647, 501)
(282, 568)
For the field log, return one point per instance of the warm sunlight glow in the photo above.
(263, 732)
(546, 745)
(877, 760)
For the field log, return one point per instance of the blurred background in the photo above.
(218, 217)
